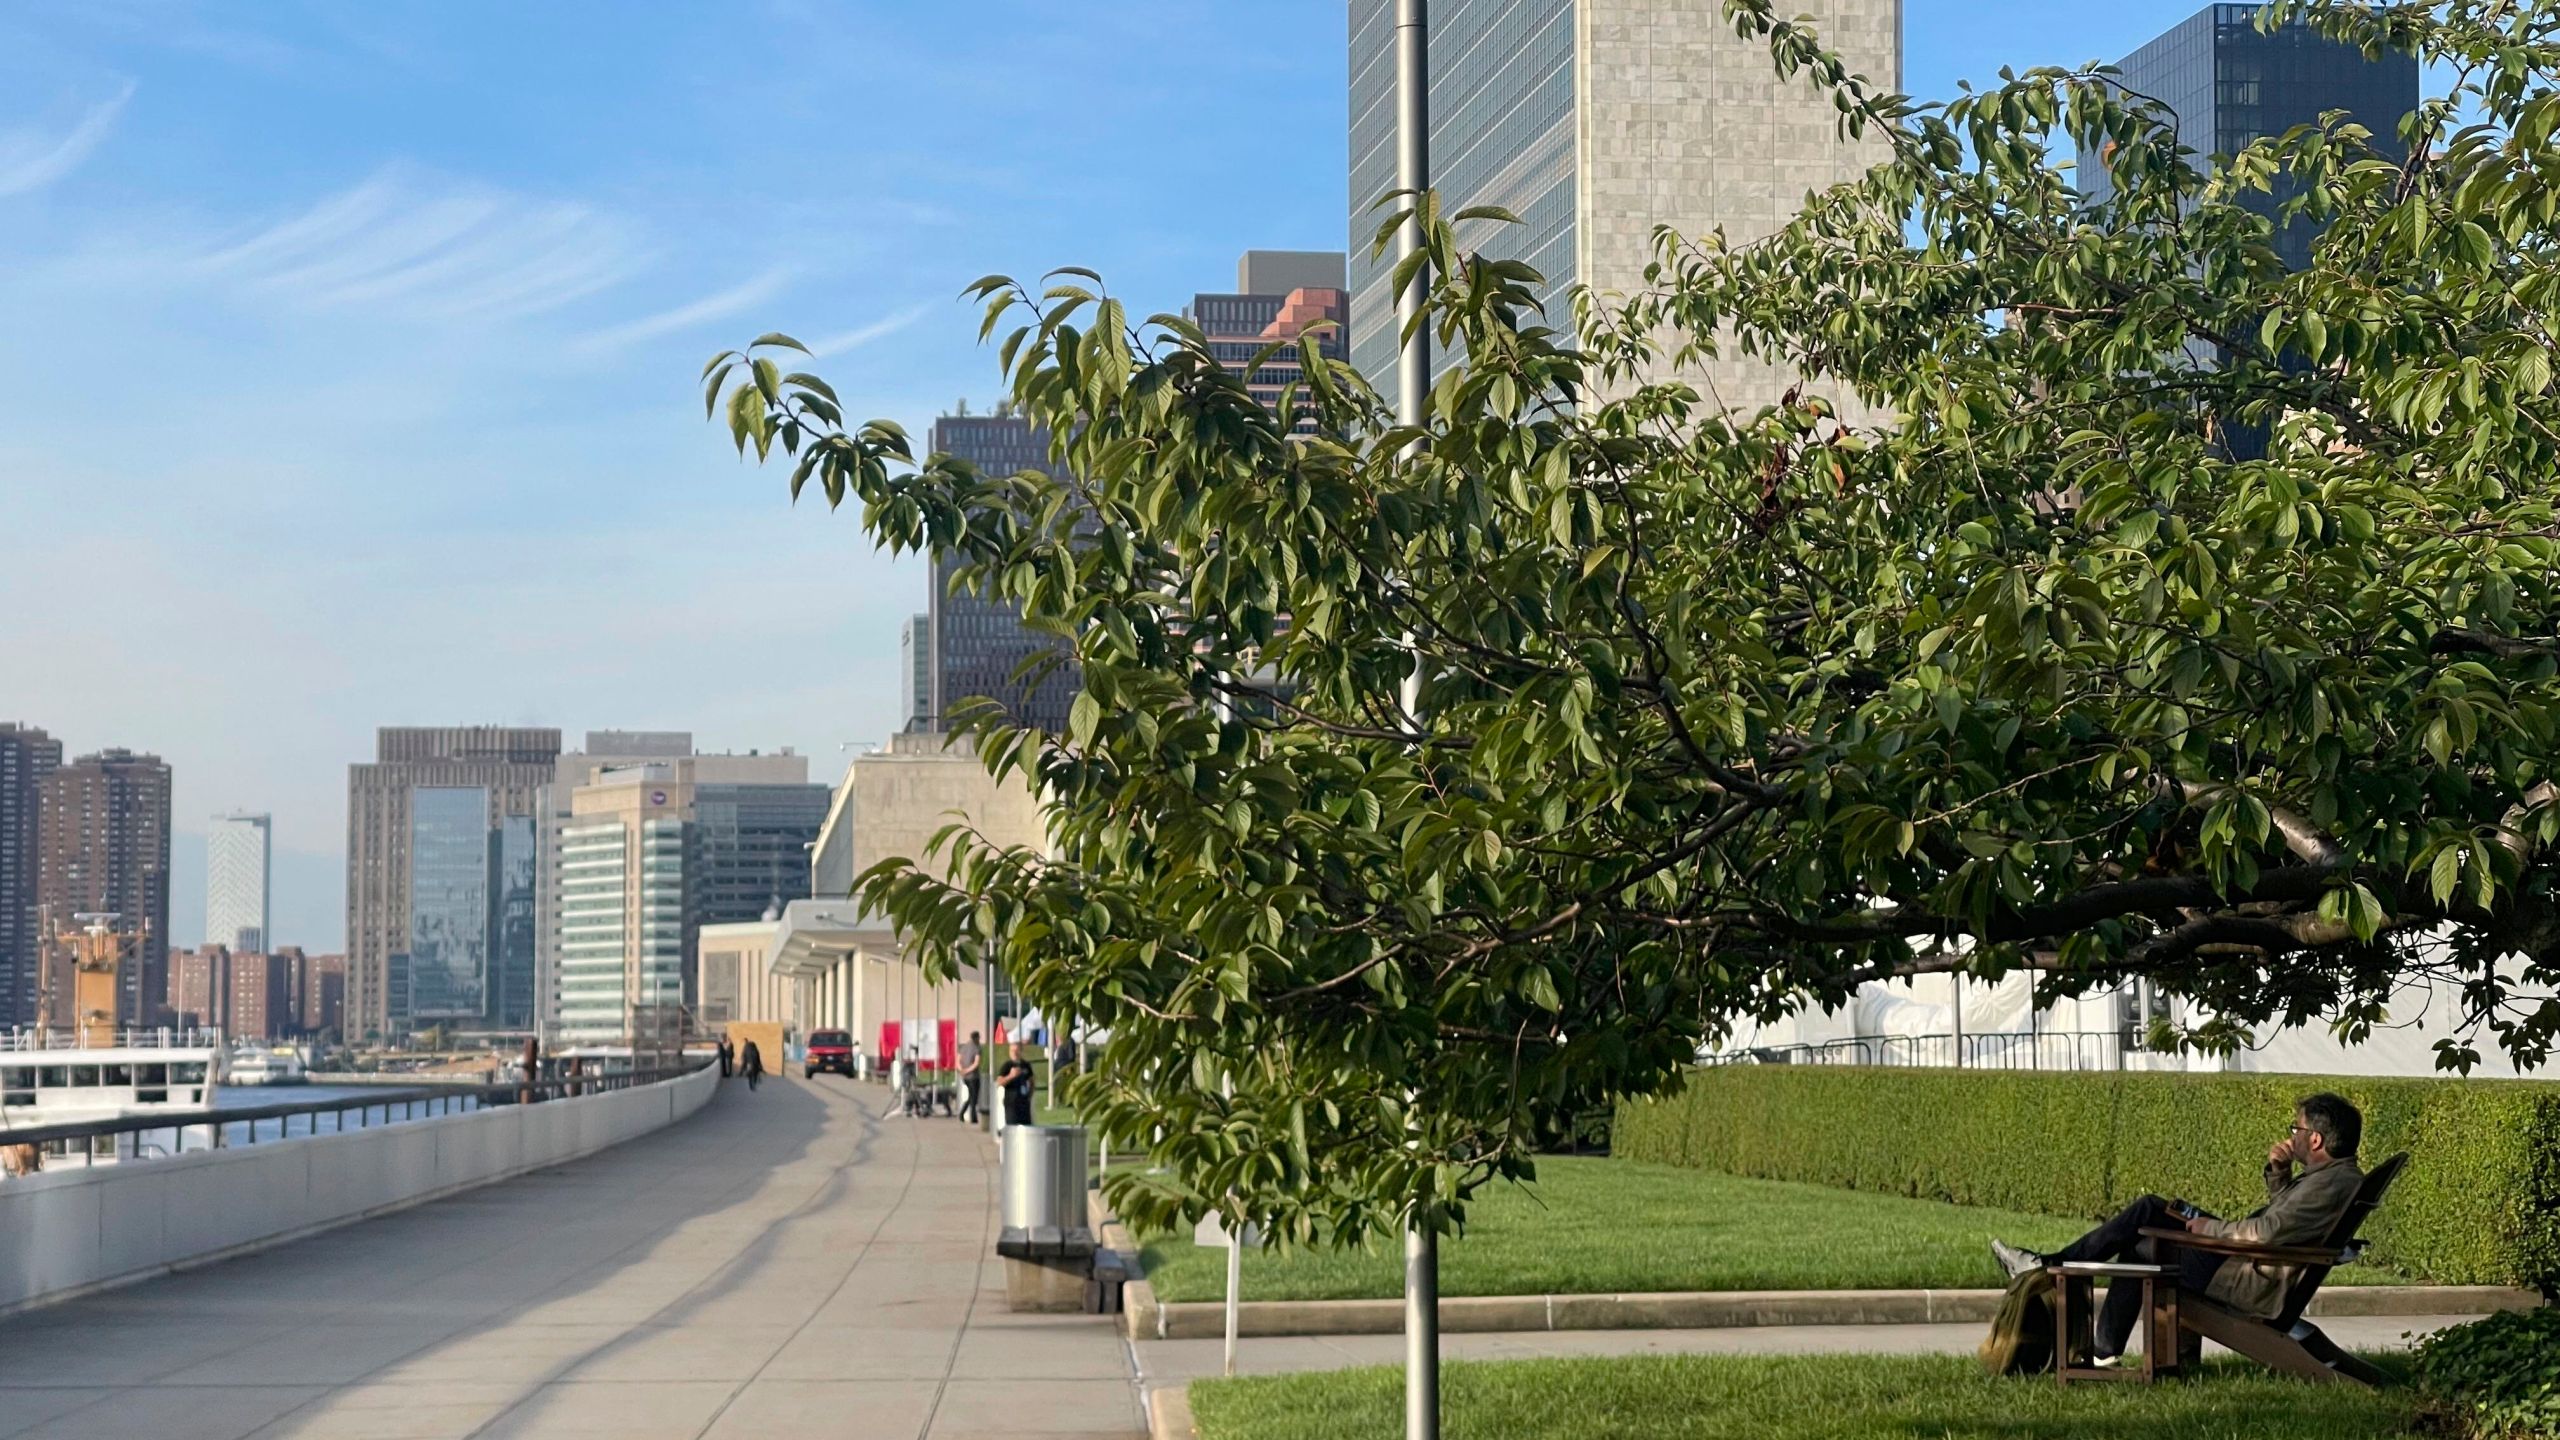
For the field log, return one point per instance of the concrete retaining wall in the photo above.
(70, 1231)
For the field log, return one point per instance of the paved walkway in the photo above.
(1176, 1362)
(781, 1264)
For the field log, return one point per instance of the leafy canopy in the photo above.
(1724, 714)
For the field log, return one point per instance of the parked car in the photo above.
(831, 1050)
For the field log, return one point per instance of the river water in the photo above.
(250, 1097)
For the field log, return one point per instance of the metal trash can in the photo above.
(1044, 1206)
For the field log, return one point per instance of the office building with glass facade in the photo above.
(238, 854)
(980, 645)
(470, 955)
(652, 852)
(510, 768)
(1593, 121)
(2228, 85)
(600, 748)
(450, 867)
(915, 673)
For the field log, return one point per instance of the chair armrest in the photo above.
(2242, 1250)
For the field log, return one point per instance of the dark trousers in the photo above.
(969, 1096)
(2121, 1241)
(1017, 1108)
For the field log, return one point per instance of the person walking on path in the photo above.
(971, 1077)
(728, 1058)
(1015, 1077)
(751, 1064)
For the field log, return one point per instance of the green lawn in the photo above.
(1813, 1397)
(1595, 1227)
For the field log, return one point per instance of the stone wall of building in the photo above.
(1682, 123)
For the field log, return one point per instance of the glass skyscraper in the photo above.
(1502, 133)
(449, 903)
(513, 939)
(1593, 122)
(238, 854)
(470, 957)
(2230, 85)
(980, 644)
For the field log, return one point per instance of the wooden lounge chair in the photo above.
(2287, 1343)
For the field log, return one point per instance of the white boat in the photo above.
(280, 1065)
(47, 1077)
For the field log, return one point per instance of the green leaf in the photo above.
(2446, 872)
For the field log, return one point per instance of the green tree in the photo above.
(1726, 714)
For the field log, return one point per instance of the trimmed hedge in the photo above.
(2478, 1204)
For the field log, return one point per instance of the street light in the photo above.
(1413, 380)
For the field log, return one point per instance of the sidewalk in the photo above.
(785, 1263)
(1163, 1363)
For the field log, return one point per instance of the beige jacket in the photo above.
(2300, 1210)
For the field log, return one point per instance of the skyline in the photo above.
(399, 389)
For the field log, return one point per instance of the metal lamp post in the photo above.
(1413, 382)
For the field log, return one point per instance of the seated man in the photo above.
(2301, 1209)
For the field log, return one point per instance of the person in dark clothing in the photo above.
(1015, 1077)
(751, 1064)
(2301, 1210)
(972, 1076)
(728, 1059)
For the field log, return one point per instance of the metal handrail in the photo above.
(433, 1101)
(30, 1038)
(1993, 1050)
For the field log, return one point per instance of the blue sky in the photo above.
(347, 350)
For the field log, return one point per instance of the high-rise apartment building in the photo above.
(915, 674)
(1279, 295)
(103, 847)
(246, 994)
(2230, 85)
(199, 986)
(507, 768)
(980, 645)
(26, 755)
(1593, 121)
(239, 855)
(324, 993)
(264, 1003)
(652, 852)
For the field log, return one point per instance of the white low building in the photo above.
(1948, 1020)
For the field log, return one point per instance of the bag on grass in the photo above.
(2021, 1338)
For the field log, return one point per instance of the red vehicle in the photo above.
(830, 1050)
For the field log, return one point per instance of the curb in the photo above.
(1169, 1414)
(1150, 1319)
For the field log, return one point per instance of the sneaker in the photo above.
(2110, 1362)
(2013, 1261)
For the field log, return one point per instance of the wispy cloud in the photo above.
(861, 335)
(684, 317)
(31, 159)
(409, 245)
